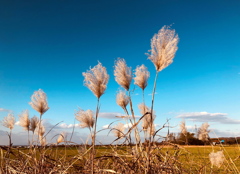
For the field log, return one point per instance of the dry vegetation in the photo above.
(132, 156)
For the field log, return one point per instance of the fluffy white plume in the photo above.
(85, 118)
(183, 128)
(163, 48)
(61, 138)
(40, 130)
(119, 130)
(146, 121)
(217, 158)
(39, 101)
(122, 99)
(123, 73)
(203, 132)
(141, 76)
(8, 121)
(96, 79)
(24, 120)
(33, 123)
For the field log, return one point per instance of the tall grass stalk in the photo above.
(151, 124)
(96, 80)
(40, 104)
(94, 136)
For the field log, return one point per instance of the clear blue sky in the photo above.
(48, 44)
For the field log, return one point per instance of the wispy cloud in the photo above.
(151, 93)
(109, 115)
(208, 117)
(129, 125)
(216, 133)
(107, 126)
(5, 110)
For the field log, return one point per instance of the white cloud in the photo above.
(106, 126)
(129, 125)
(67, 126)
(61, 125)
(208, 117)
(190, 127)
(5, 110)
(109, 115)
(21, 138)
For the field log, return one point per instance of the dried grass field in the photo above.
(117, 159)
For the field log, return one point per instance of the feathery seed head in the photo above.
(24, 120)
(146, 120)
(217, 158)
(203, 132)
(33, 123)
(141, 76)
(122, 99)
(163, 48)
(96, 79)
(61, 138)
(151, 132)
(40, 129)
(43, 140)
(183, 127)
(122, 73)
(119, 130)
(39, 101)
(8, 121)
(85, 118)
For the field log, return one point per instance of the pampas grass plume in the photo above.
(61, 138)
(203, 132)
(39, 101)
(40, 129)
(146, 121)
(96, 79)
(122, 73)
(34, 123)
(85, 118)
(163, 48)
(183, 128)
(122, 99)
(141, 76)
(119, 129)
(217, 158)
(43, 140)
(24, 120)
(8, 121)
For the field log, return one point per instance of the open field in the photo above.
(75, 159)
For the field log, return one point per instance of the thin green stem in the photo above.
(151, 124)
(94, 137)
(126, 112)
(137, 136)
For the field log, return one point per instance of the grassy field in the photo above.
(76, 159)
(195, 159)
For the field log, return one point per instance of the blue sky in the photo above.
(48, 44)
